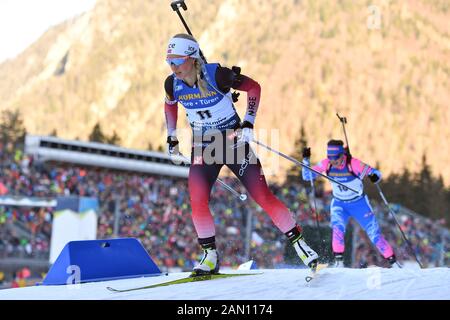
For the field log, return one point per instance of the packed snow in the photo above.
(271, 284)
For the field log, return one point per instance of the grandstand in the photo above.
(46, 148)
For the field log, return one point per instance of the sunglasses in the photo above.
(179, 61)
(176, 61)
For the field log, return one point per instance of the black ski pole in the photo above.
(395, 219)
(176, 7)
(316, 215)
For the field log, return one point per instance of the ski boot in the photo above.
(338, 260)
(209, 264)
(393, 263)
(309, 257)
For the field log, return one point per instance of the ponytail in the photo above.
(202, 84)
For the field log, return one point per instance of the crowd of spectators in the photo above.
(156, 210)
(25, 232)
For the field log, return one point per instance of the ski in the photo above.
(315, 271)
(186, 280)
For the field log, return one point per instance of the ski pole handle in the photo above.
(343, 120)
(177, 4)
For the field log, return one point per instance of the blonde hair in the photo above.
(198, 65)
(202, 84)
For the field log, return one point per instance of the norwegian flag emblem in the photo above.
(198, 160)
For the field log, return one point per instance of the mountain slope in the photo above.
(312, 58)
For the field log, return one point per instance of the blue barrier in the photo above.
(100, 260)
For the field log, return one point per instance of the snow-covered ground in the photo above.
(279, 284)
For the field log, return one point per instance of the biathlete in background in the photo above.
(342, 167)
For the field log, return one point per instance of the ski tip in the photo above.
(112, 289)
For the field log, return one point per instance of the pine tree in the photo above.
(430, 193)
(421, 192)
(12, 128)
(54, 133)
(422, 184)
(294, 172)
(114, 139)
(97, 135)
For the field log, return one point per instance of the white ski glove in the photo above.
(246, 132)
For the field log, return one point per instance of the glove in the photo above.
(306, 152)
(172, 146)
(375, 176)
(246, 132)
